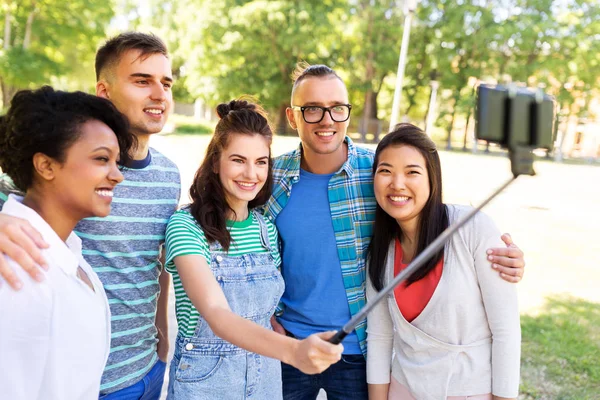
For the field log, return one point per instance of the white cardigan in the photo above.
(467, 340)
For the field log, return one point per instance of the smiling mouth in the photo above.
(154, 111)
(246, 185)
(325, 134)
(105, 193)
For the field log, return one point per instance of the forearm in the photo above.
(250, 336)
(379, 391)
(161, 320)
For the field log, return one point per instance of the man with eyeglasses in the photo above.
(324, 207)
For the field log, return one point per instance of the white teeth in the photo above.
(245, 184)
(325, 134)
(398, 198)
(153, 111)
(106, 193)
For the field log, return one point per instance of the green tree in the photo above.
(45, 39)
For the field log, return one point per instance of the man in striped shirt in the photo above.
(133, 71)
(323, 206)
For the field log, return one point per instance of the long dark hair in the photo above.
(433, 219)
(209, 206)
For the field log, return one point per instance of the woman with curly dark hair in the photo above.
(225, 260)
(61, 150)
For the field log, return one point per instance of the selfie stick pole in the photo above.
(520, 166)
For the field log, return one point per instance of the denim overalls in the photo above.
(207, 367)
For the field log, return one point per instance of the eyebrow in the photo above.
(245, 158)
(316, 103)
(149, 76)
(103, 148)
(407, 166)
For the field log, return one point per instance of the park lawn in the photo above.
(561, 351)
(184, 125)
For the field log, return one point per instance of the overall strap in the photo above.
(264, 230)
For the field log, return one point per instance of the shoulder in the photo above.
(364, 153)
(183, 220)
(481, 229)
(287, 161)
(159, 158)
(33, 298)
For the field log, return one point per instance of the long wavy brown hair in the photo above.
(209, 206)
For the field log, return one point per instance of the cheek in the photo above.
(379, 186)
(263, 174)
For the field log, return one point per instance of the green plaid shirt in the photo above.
(352, 204)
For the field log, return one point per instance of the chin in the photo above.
(103, 212)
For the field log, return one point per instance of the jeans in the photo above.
(148, 388)
(344, 380)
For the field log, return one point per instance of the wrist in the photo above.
(291, 350)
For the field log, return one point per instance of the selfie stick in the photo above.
(521, 159)
(433, 248)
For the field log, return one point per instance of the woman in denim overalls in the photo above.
(225, 260)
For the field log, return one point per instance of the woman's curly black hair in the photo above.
(48, 121)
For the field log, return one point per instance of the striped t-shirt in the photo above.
(123, 250)
(185, 237)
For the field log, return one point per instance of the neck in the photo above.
(240, 211)
(324, 163)
(408, 239)
(143, 144)
(59, 219)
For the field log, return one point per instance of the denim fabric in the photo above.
(149, 388)
(206, 367)
(344, 380)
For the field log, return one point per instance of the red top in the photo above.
(412, 300)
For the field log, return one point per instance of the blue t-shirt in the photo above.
(314, 302)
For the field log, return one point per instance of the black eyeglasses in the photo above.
(315, 114)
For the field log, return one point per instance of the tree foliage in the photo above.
(43, 40)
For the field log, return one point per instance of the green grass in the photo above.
(561, 351)
(190, 126)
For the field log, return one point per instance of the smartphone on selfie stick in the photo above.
(517, 118)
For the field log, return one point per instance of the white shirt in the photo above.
(467, 339)
(54, 335)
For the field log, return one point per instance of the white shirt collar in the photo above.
(66, 255)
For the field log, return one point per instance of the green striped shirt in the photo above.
(185, 237)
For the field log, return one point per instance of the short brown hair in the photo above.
(110, 53)
(304, 70)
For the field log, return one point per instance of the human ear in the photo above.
(45, 166)
(102, 89)
(289, 113)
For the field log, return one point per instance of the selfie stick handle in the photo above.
(433, 248)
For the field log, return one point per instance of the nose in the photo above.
(158, 92)
(398, 182)
(115, 174)
(250, 170)
(327, 120)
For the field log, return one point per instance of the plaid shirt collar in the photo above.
(291, 166)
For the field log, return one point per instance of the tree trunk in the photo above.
(451, 124)
(27, 37)
(369, 75)
(282, 122)
(7, 27)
